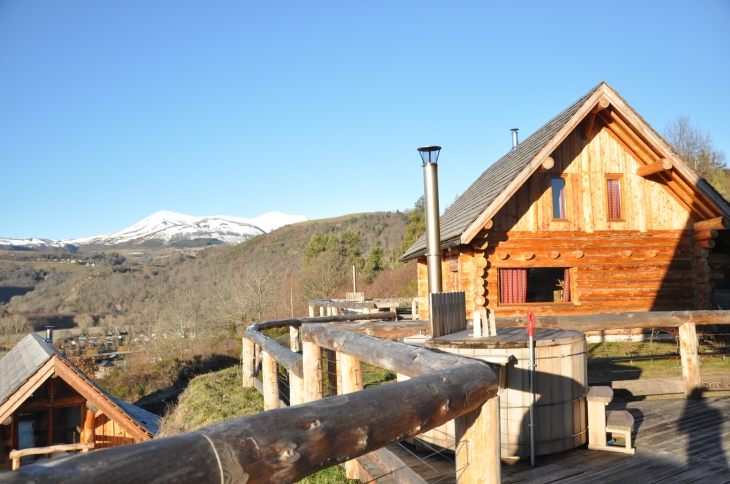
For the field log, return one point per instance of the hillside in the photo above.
(136, 290)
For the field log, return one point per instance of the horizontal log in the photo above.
(717, 223)
(39, 403)
(480, 244)
(706, 234)
(653, 168)
(283, 355)
(326, 303)
(702, 251)
(666, 386)
(385, 329)
(602, 104)
(708, 243)
(407, 360)
(286, 444)
(285, 323)
(718, 258)
(626, 320)
(17, 454)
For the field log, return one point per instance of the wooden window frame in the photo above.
(620, 178)
(567, 198)
(572, 302)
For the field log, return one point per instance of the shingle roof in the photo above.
(21, 363)
(32, 352)
(459, 216)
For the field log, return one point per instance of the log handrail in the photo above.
(617, 321)
(287, 444)
(16, 455)
(411, 361)
(284, 356)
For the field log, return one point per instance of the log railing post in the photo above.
(294, 339)
(247, 365)
(311, 311)
(89, 429)
(351, 370)
(270, 379)
(478, 449)
(296, 389)
(312, 369)
(414, 309)
(689, 351)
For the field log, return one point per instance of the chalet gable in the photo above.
(599, 109)
(33, 361)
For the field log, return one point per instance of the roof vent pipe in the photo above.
(515, 142)
(49, 334)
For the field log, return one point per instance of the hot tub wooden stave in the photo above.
(560, 387)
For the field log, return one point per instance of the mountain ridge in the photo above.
(167, 228)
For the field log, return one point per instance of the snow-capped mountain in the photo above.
(169, 227)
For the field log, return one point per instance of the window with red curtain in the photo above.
(559, 199)
(513, 285)
(614, 198)
(534, 285)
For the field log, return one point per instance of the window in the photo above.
(613, 195)
(536, 285)
(559, 202)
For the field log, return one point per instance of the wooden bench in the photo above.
(601, 422)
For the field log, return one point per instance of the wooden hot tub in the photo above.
(560, 387)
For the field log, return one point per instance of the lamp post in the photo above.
(430, 155)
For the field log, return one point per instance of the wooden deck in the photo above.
(677, 441)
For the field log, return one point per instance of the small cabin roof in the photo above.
(32, 353)
(457, 222)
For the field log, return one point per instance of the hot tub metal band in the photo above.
(546, 404)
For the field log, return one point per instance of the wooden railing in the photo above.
(285, 445)
(686, 321)
(16, 455)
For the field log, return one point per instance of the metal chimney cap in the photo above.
(426, 153)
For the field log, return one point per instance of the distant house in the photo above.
(592, 213)
(46, 400)
(106, 365)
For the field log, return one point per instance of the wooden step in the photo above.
(619, 421)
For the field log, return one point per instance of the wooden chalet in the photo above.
(593, 213)
(47, 401)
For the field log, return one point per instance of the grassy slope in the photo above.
(219, 396)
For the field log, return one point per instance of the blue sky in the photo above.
(110, 111)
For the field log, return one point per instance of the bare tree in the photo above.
(84, 322)
(694, 146)
(250, 295)
(322, 276)
(11, 327)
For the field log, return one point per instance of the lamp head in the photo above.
(429, 154)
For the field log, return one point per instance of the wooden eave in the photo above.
(92, 394)
(646, 146)
(67, 373)
(26, 389)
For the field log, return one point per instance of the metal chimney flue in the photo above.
(515, 141)
(49, 334)
(429, 156)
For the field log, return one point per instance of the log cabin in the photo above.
(593, 213)
(45, 400)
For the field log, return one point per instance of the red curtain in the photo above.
(513, 285)
(563, 211)
(614, 199)
(566, 286)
